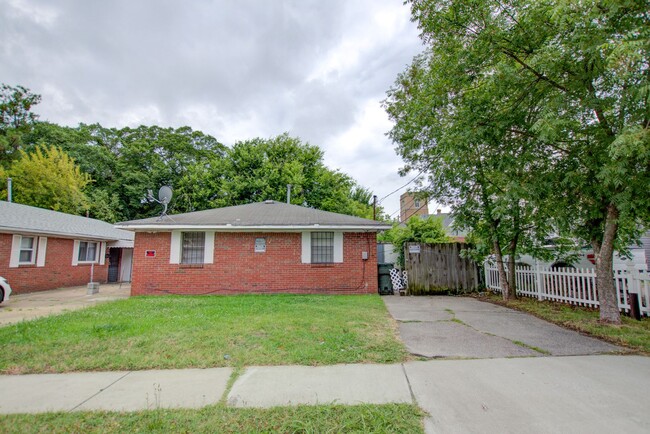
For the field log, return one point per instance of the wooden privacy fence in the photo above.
(438, 268)
(575, 285)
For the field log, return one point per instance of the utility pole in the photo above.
(374, 207)
(289, 193)
(8, 189)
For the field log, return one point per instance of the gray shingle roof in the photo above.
(17, 218)
(267, 214)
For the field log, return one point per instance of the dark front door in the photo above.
(114, 264)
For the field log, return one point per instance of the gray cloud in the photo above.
(233, 69)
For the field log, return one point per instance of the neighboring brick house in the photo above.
(259, 247)
(42, 249)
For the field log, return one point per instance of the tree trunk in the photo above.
(604, 253)
(511, 266)
(503, 280)
(511, 276)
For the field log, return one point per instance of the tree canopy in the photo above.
(124, 163)
(48, 178)
(16, 118)
(533, 117)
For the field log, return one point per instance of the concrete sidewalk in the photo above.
(593, 394)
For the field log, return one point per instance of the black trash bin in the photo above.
(383, 275)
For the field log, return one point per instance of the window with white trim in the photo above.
(193, 247)
(416, 203)
(322, 247)
(88, 251)
(27, 250)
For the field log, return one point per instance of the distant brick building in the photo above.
(410, 205)
(42, 249)
(259, 247)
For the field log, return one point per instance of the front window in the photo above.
(193, 247)
(26, 250)
(417, 203)
(322, 247)
(88, 251)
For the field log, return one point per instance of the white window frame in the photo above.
(306, 248)
(96, 256)
(32, 250)
(100, 252)
(176, 247)
(38, 249)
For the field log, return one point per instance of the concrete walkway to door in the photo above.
(462, 327)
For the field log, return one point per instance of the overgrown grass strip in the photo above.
(173, 332)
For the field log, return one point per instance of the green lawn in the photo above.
(204, 331)
(631, 333)
(388, 418)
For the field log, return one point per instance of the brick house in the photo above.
(42, 249)
(259, 247)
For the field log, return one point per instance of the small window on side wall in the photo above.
(88, 251)
(193, 247)
(27, 250)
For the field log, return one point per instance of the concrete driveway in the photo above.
(514, 383)
(23, 307)
(462, 327)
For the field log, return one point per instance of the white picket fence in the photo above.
(575, 285)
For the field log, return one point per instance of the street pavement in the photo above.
(501, 372)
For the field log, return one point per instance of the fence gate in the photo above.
(438, 268)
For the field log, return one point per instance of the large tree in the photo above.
(16, 118)
(260, 169)
(125, 163)
(48, 178)
(451, 126)
(580, 73)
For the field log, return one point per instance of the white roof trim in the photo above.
(55, 234)
(261, 228)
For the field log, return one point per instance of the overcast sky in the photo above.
(235, 69)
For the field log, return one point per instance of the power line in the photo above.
(398, 189)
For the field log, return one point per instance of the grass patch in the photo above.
(532, 347)
(631, 333)
(389, 418)
(205, 331)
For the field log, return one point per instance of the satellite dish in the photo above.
(165, 194)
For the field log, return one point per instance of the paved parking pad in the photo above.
(24, 307)
(339, 384)
(462, 327)
(584, 394)
(127, 391)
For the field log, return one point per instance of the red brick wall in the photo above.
(58, 271)
(238, 269)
